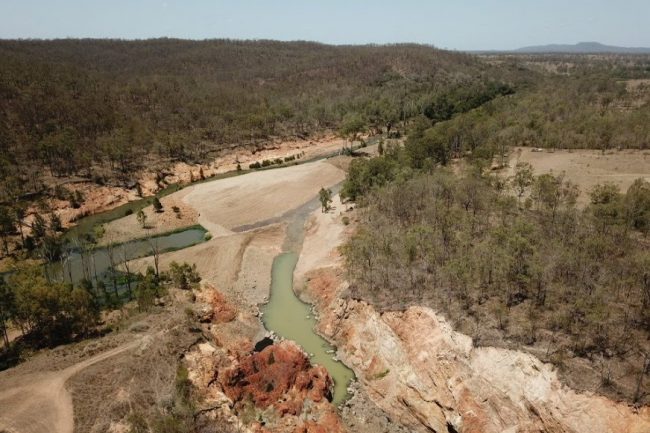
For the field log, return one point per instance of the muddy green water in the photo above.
(97, 262)
(292, 319)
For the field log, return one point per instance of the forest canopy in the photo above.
(73, 107)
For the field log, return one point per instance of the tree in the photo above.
(325, 197)
(147, 290)
(125, 263)
(157, 205)
(6, 227)
(637, 206)
(155, 252)
(55, 223)
(142, 218)
(429, 147)
(7, 309)
(39, 227)
(606, 204)
(84, 310)
(184, 276)
(352, 126)
(522, 179)
(50, 310)
(109, 302)
(19, 214)
(51, 248)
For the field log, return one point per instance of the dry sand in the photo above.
(224, 204)
(128, 228)
(260, 196)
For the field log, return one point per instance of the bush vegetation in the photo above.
(509, 261)
(49, 312)
(97, 108)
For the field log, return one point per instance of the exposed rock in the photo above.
(262, 388)
(432, 378)
(222, 311)
(279, 375)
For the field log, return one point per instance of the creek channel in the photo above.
(289, 317)
(284, 314)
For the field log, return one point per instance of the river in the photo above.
(289, 317)
(285, 314)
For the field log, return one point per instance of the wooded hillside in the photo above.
(70, 106)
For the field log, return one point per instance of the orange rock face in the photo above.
(222, 311)
(280, 375)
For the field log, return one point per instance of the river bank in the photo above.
(427, 377)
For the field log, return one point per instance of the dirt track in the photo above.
(42, 404)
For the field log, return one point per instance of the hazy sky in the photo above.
(454, 24)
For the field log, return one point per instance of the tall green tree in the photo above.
(7, 309)
(325, 197)
(6, 227)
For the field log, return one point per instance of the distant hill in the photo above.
(583, 48)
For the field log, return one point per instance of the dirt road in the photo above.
(41, 402)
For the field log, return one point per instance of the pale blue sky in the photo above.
(454, 24)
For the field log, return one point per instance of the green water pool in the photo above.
(292, 319)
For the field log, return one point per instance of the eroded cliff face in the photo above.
(416, 367)
(428, 377)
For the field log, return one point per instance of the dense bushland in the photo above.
(102, 108)
(511, 262)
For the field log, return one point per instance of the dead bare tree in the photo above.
(155, 252)
(110, 252)
(125, 263)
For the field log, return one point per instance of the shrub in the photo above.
(157, 205)
(184, 276)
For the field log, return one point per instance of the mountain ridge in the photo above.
(583, 48)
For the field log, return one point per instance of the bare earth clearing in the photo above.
(587, 168)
